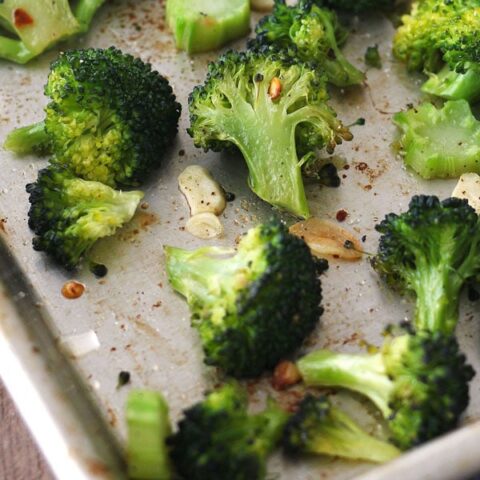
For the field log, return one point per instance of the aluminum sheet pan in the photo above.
(74, 407)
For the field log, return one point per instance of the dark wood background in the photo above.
(19, 456)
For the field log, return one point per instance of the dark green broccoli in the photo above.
(217, 439)
(110, 118)
(418, 381)
(357, 6)
(372, 57)
(251, 307)
(275, 111)
(440, 37)
(68, 215)
(319, 428)
(311, 34)
(431, 251)
(32, 26)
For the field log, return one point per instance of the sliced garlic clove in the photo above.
(327, 239)
(204, 225)
(468, 187)
(202, 191)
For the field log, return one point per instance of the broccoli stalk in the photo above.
(30, 139)
(40, 24)
(68, 214)
(310, 34)
(218, 439)
(254, 307)
(322, 429)
(431, 251)
(419, 382)
(271, 109)
(440, 143)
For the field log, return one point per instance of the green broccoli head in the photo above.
(440, 142)
(430, 251)
(68, 215)
(271, 108)
(33, 26)
(111, 116)
(218, 439)
(253, 307)
(418, 381)
(444, 34)
(357, 6)
(319, 428)
(309, 33)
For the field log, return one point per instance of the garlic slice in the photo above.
(327, 239)
(468, 187)
(204, 225)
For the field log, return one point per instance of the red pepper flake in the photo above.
(73, 290)
(341, 215)
(285, 375)
(275, 89)
(21, 18)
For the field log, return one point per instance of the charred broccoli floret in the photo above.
(440, 37)
(217, 439)
(431, 251)
(32, 26)
(251, 307)
(110, 117)
(311, 34)
(418, 381)
(275, 111)
(68, 215)
(317, 427)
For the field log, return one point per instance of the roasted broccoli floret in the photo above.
(311, 34)
(217, 439)
(440, 37)
(110, 118)
(68, 215)
(357, 6)
(251, 307)
(431, 251)
(275, 111)
(319, 428)
(32, 26)
(418, 381)
(440, 142)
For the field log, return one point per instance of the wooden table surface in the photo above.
(19, 456)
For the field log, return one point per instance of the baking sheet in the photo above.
(143, 327)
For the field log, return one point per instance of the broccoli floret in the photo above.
(252, 307)
(319, 428)
(273, 109)
(358, 6)
(217, 439)
(33, 26)
(418, 381)
(431, 251)
(440, 143)
(372, 57)
(311, 34)
(441, 38)
(68, 215)
(110, 118)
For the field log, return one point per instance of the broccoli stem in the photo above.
(15, 50)
(271, 424)
(452, 85)
(30, 139)
(84, 12)
(365, 374)
(340, 436)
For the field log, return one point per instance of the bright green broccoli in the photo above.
(357, 6)
(252, 307)
(441, 38)
(68, 215)
(311, 34)
(110, 118)
(431, 251)
(275, 111)
(440, 142)
(319, 428)
(418, 381)
(217, 439)
(32, 26)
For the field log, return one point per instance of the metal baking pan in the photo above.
(73, 407)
